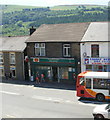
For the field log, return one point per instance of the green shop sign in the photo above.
(53, 61)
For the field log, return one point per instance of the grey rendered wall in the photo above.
(6, 62)
(20, 65)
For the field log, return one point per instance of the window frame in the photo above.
(1, 58)
(12, 59)
(66, 49)
(40, 48)
(94, 50)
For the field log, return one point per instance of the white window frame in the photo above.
(40, 47)
(12, 59)
(1, 58)
(66, 49)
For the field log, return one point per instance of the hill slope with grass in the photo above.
(16, 20)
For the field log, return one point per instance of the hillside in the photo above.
(16, 20)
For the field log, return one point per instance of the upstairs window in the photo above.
(95, 50)
(66, 50)
(12, 58)
(1, 58)
(40, 49)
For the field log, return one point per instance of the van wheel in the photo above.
(99, 116)
(100, 97)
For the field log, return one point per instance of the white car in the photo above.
(102, 111)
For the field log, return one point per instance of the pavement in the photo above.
(54, 85)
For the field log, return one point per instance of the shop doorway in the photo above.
(55, 73)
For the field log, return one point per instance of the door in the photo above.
(55, 73)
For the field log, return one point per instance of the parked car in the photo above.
(102, 111)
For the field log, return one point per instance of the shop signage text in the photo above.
(100, 61)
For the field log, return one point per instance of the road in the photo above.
(27, 101)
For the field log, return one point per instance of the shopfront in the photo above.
(97, 64)
(54, 69)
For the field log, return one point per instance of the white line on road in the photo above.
(9, 93)
(10, 116)
(47, 98)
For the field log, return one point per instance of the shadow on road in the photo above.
(93, 101)
(54, 85)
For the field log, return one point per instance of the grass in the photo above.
(12, 8)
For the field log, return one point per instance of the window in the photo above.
(94, 50)
(66, 50)
(64, 72)
(1, 71)
(89, 67)
(40, 49)
(12, 58)
(88, 83)
(81, 81)
(99, 83)
(1, 58)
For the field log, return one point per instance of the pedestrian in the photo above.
(10, 75)
(37, 78)
(42, 78)
(6, 76)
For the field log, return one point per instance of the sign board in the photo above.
(53, 61)
(98, 61)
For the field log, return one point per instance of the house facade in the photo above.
(12, 54)
(95, 48)
(54, 50)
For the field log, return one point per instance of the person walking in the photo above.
(42, 78)
(6, 76)
(37, 78)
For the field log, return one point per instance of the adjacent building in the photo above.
(95, 48)
(54, 50)
(12, 54)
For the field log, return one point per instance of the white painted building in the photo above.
(95, 48)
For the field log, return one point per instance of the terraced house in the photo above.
(12, 54)
(95, 48)
(54, 50)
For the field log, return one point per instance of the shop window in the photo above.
(1, 71)
(66, 50)
(64, 72)
(88, 83)
(99, 83)
(1, 58)
(12, 58)
(100, 68)
(108, 68)
(89, 67)
(40, 49)
(94, 50)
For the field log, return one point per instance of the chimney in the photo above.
(32, 30)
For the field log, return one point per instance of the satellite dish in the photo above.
(84, 54)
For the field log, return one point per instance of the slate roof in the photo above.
(97, 31)
(13, 43)
(69, 32)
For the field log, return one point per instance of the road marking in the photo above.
(10, 116)
(9, 93)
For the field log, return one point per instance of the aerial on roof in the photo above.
(69, 32)
(97, 31)
(13, 43)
